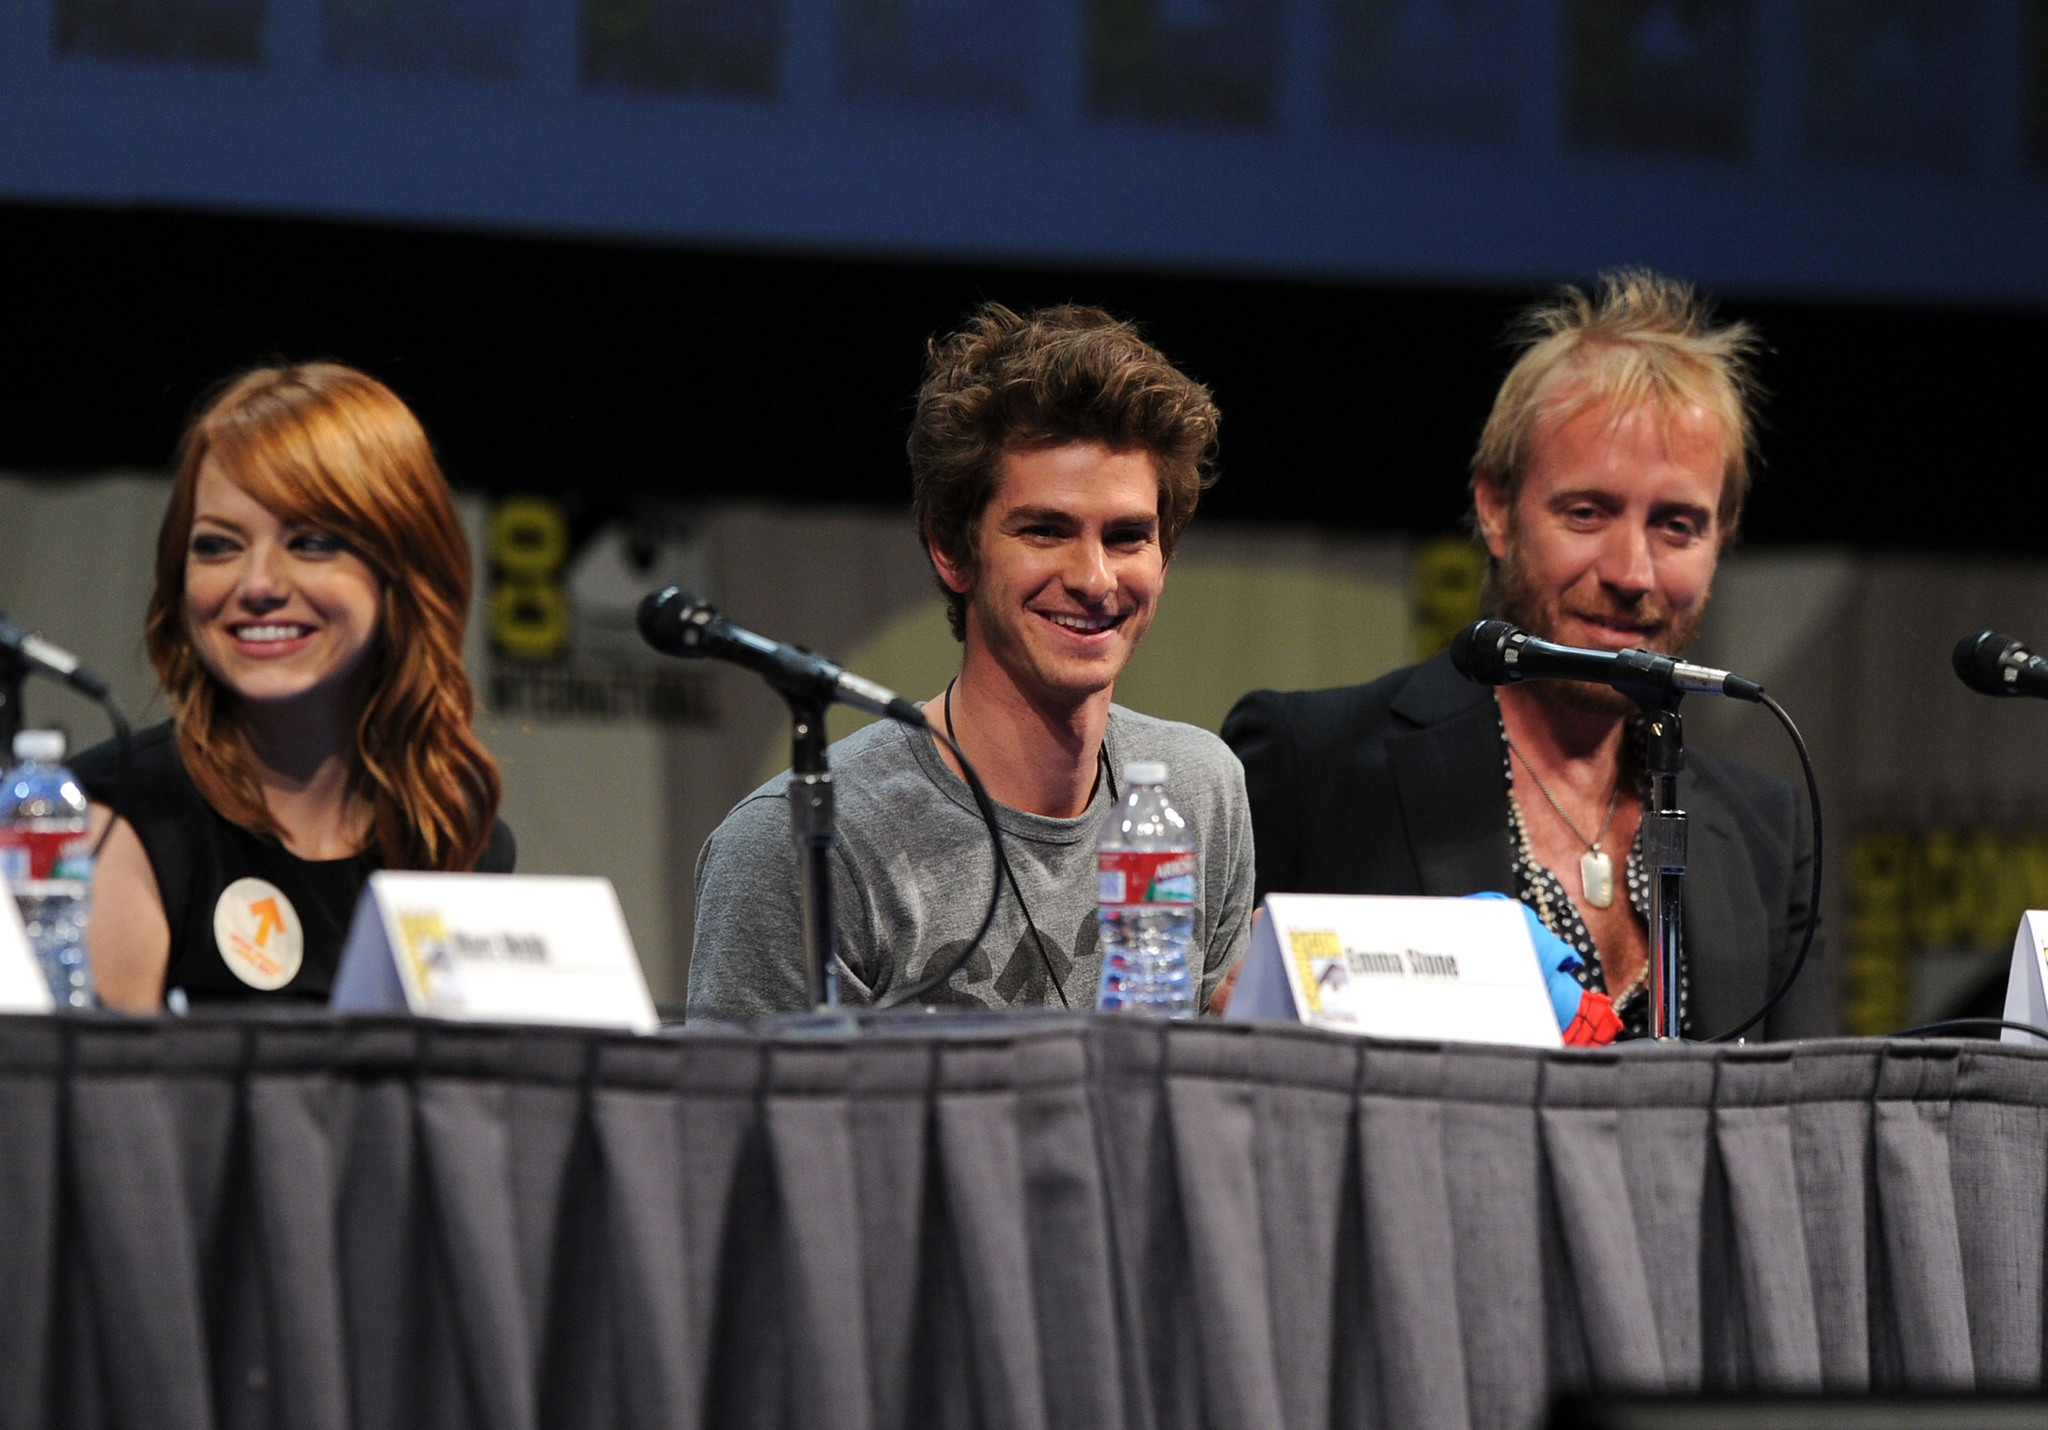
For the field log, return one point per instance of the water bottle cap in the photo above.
(1145, 772)
(45, 747)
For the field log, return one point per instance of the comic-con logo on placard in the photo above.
(259, 934)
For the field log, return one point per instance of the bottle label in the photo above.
(44, 849)
(1152, 876)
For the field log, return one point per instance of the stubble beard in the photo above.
(1517, 599)
(1012, 650)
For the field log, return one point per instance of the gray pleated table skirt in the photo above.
(1026, 1221)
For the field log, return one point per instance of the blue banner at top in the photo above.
(1841, 148)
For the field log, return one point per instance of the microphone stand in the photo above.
(1664, 852)
(811, 826)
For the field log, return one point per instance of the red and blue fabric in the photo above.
(1585, 1018)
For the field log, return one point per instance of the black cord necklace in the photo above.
(1103, 773)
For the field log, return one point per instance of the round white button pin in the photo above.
(259, 934)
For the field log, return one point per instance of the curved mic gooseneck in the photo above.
(1502, 653)
(46, 658)
(677, 623)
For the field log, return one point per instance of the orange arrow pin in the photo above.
(268, 919)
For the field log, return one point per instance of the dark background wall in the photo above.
(610, 371)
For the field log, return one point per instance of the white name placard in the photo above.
(1445, 970)
(23, 989)
(493, 948)
(2026, 987)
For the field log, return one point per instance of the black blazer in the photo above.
(1397, 788)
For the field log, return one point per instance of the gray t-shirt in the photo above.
(910, 879)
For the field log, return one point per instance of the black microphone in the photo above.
(676, 623)
(48, 659)
(1992, 663)
(1502, 653)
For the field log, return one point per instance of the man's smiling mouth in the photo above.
(1084, 625)
(1636, 631)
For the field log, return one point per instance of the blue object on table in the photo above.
(1558, 960)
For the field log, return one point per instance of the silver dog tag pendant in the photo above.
(1596, 877)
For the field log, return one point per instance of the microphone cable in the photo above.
(1812, 898)
(1930, 1030)
(930, 983)
(126, 738)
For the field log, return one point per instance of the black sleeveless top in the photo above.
(196, 855)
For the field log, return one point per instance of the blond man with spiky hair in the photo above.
(1608, 480)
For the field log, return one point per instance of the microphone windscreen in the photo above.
(1476, 651)
(665, 621)
(650, 613)
(1980, 662)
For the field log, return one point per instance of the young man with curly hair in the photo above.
(1056, 458)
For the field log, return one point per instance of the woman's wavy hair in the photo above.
(1006, 381)
(324, 444)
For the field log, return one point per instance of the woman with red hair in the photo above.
(312, 587)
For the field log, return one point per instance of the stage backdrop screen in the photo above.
(1881, 148)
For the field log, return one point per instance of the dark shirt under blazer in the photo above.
(1396, 788)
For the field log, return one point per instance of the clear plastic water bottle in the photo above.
(1145, 901)
(46, 859)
